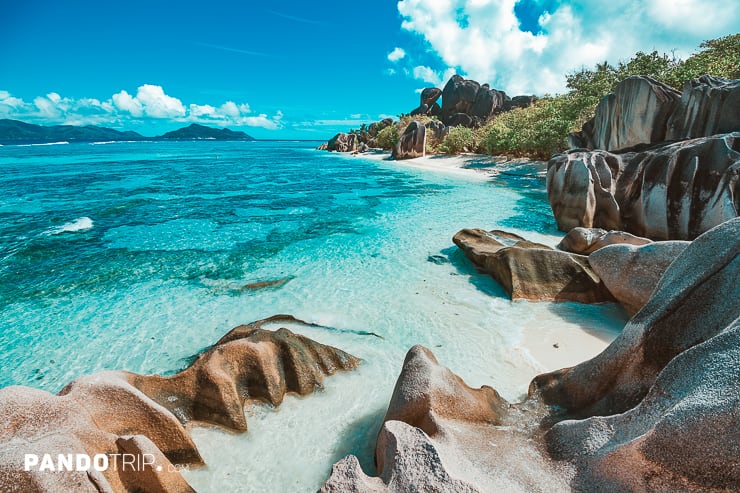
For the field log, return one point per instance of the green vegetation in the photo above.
(387, 138)
(542, 129)
(460, 139)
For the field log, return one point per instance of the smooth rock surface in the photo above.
(637, 112)
(631, 272)
(676, 191)
(585, 241)
(532, 271)
(116, 412)
(412, 143)
(709, 106)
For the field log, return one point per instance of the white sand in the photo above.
(439, 163)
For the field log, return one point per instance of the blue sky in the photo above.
(296, 69)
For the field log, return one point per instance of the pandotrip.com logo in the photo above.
(98, 462)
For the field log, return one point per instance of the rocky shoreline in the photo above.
(657, 410)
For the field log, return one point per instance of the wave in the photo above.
(113, 142)
(44, 144)
(80, 224)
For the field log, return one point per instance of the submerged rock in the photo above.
(677, 191)
(584, 241)
(412, 143)
(531, 270)
(657, 410)
(116, 412)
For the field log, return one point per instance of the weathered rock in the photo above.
(323, 147)
(530, 270)
(438, 130)
(581, 188)
(488, 102)
(631, 272)
(438, 437)
(116, 412)
(709, 106)
(430, 95)
(435, 110)
(376, 127)
(459, 120)
(412, 143)
(637, 112)
(584, 241)
(656, 411)
(676, 191)
(664, 395)
(458, 96)
(519, 102)
(342, 142)
(421, 110)
(363, 147)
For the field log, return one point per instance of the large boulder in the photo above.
(662, 398)
(637, 112)
(376, 127)
(530, 270)
(440, 435)
(656, 411)
(430, 95)
(458, 96)
(488, 102)
(676, 191)
(709, 106)
(438, 130)
(343, 142)
(584, 241)
(116, 412)
(460, 120)
(518, 102)
(412, 143)
(631, 272)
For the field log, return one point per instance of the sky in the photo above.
(307, 70)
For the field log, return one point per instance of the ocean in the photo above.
(139, 255)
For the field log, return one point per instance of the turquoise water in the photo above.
(138, 255)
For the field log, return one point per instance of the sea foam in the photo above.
(80, 224)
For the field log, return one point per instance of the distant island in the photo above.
(18, 132)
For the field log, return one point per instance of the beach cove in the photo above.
(357, 245)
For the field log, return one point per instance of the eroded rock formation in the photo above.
(531, 270)
(656, 411)
(584, 241)
(709, 106)
(114, 412)
(412, 142)
(631, 272)
(637, 112)
(343, 142)
(677, 191)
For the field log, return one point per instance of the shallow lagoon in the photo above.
(177, 230)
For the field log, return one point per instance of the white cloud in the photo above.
(150, 102)
(157, 104)
(124, 102)
(396, 55)
(431, 76)
(490, 45)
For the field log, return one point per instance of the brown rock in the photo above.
(342, 142)
(530, 270)
(631, 273)
(412, 143)
(676, 191)
(119, 412)
(430, 95)
(584, 241)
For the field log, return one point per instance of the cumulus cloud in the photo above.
(431, 76)
(150, 103)
(485, 40)
(396, 54)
